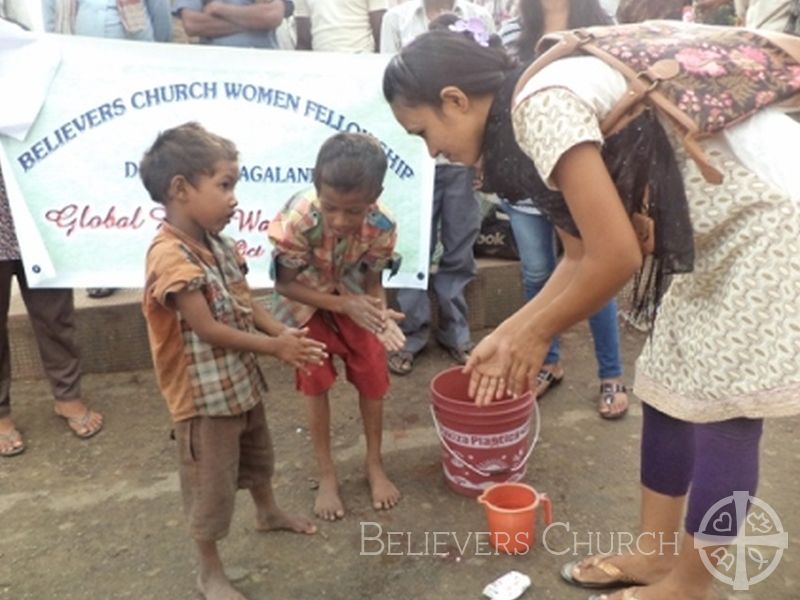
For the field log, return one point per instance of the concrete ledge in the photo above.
(112, 334)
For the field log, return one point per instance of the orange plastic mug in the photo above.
(511, 515)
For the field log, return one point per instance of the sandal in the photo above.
(401, 362)
(11, 438)
(608, 395)
(547, 378)
(459, 355)
(78, 424)
(599, 562)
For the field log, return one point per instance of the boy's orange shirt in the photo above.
(195, 377)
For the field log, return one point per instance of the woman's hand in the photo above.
(505, 361)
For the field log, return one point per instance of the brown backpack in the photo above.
(702, 78)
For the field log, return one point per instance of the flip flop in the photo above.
(618, 578)
(12, 437)
(82, 422)
(401, 362)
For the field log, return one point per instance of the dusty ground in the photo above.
(101, 519)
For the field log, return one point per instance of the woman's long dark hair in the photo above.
(438, 59)
(582, 13)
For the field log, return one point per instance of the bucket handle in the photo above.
(475, 469)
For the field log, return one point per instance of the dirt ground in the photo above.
(102, 519)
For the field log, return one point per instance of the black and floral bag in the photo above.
(701, 78)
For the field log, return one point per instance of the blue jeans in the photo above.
(456, 220)
(535, 238)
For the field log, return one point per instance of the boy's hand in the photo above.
(392, 336)
(298, 350)
(365, 311)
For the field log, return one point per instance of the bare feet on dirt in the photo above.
(328, 505)
(384, 493)
(278, 520)
(217, 587)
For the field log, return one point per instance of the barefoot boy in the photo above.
(204, 332)
(330, 246)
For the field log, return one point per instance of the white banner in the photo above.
(81, 213)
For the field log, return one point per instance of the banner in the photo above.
(83, 217)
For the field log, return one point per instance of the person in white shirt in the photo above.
(339, 25)
(456, 214)
(406, 21)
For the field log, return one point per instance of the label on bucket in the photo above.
(495, 440)
(509, 587)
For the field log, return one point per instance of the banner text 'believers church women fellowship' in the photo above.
(84, 218)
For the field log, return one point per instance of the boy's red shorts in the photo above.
(363, 355)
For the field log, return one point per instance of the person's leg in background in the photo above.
(416, 306)
(533, 235)
(52, 314)
(613, 401)
(11, 442)
(460, 225)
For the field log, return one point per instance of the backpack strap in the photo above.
(560, 45)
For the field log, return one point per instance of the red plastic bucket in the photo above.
(481, 445)
(511, 515)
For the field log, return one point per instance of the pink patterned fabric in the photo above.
(726, 74)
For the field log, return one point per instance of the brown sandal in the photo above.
(608, 394)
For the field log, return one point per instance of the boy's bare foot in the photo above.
(215, 586)
(384, 493)
(328, 504)
(277, 519)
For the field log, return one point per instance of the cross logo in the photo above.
(741, 556)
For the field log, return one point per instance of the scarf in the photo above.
(639, 158)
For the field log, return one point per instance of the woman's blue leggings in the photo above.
(714, 459)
